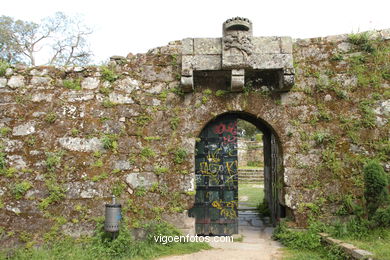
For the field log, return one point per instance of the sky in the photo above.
(127, 26)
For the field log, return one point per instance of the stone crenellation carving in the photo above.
(238, 51)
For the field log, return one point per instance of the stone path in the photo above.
(257, 243)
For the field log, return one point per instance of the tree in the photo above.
(61, 39)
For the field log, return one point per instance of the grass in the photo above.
(376, 241)
(72, 250)
(255, 194)
(102, 247)
(299, 254)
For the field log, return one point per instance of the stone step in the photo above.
(255, 175)
(250, 177)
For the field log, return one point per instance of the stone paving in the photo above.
(256, 244)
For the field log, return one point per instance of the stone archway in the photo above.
(215, 207)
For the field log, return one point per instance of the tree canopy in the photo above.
(59, 39)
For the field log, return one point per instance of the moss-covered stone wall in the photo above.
(72, 137)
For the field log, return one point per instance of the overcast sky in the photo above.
(123, 26)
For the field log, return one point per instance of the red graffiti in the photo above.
(229, 139)
(230, 128)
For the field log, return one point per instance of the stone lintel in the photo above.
(238, 50)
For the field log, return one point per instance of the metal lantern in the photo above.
(113, 216)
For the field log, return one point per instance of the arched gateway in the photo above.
(216, 163)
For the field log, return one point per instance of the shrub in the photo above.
(147, 152)
(110, 141)
(51, 117)
(109, 74)
(180, 156)
(19, 189)
(4, 131)
(53, 160)
(382, 217)
(375, 190)
(363, 41)
(56, 193)
(297, 239)
(2, 161)
(72, 84)
(3, 67)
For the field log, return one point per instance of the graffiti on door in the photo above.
(216, 165)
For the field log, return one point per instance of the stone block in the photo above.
(122, 165)
(180, 220)
(75, 96)
(3, 82)
(82, 190)
(187, 84)
(285, 45)
(271, 61)
(207, 62)
(128, 85)
(40, 81)
(90, 83)
(39, 97)
(16, 82)
(81, 144)
(141, 179)
(237, 81)
(186, 65)
(187, 46)
(120, 99)
(362, 254)
(24, 129)
(265, 45)
(207, 46)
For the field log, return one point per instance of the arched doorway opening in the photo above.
(216, 174)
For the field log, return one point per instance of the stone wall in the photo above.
(71, 137)
(249, 152)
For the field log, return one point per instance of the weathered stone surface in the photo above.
(316, 107)
(16, 82)
(90, 83)
(3, 82)
(24, 129)
(267, 45)
(9, 71)
(40, 81)
(286, 45)
(36, 72)
(141, 179)
(120, 99)
(156, 88)
(128, 85)
(75, 96)
(122, 165)
(81, 144)
(187, 46)
(78, 229)
(164, 74)
(39, 97)
(206, 46)
(12, 145)
(181, 221)
(17, 161)
(292, 98)
(202, 62)
(83, 190)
